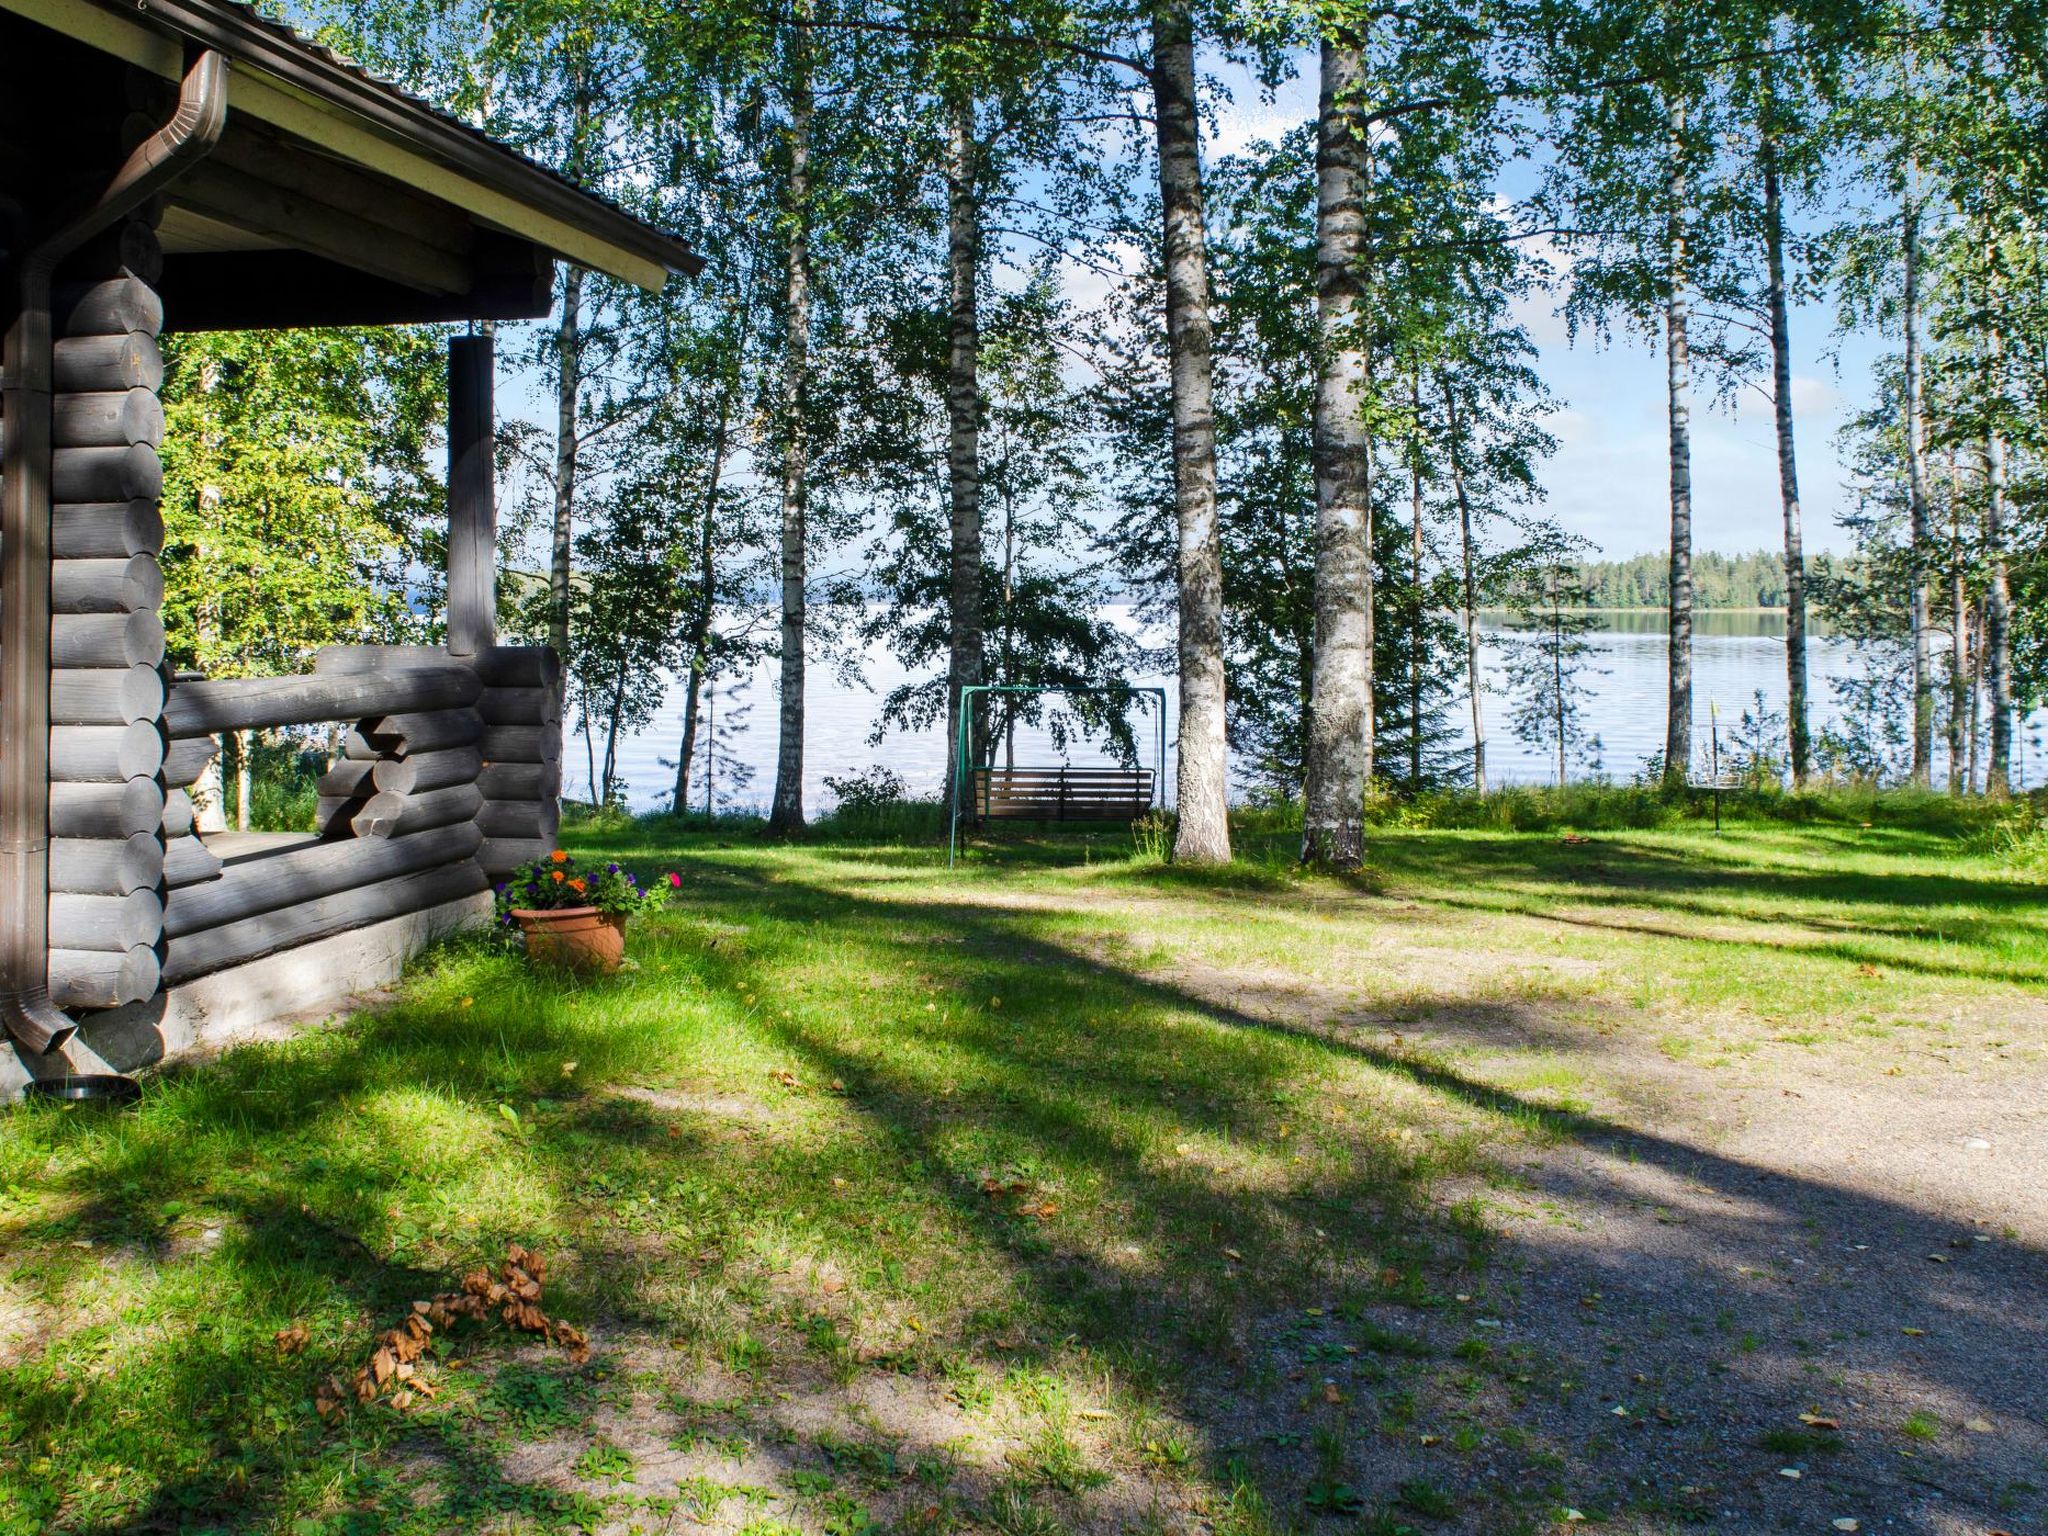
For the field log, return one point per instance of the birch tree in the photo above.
(1340, 699)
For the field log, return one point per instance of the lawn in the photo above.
(1590, 1177)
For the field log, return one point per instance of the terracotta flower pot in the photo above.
(577, 938)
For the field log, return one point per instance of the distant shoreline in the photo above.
(1659, 608)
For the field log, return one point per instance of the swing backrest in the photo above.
(1062, 794)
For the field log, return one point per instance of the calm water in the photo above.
(1734, 655)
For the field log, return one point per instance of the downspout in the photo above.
(25, 1006)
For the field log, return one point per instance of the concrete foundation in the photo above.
(265, 999)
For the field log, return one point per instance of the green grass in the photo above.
(976, 1137)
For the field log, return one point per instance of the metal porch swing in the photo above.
(1056, 793)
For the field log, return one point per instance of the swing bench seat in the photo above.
(1062, 794)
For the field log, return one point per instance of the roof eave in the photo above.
(294, 87)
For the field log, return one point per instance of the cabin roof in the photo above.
(334, 197)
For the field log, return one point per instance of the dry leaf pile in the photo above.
(1019, 1190)
(515, 1295)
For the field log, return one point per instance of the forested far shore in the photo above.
(1754, 580)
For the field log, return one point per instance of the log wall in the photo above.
(109, 854)
(495, 760)
(449, 773)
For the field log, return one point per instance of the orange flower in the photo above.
(558, 877)
(576, 885)
(560, 855)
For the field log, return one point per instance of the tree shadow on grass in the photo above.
(1250, 1271)
(1748, 1231)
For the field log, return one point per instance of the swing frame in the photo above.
(964, 735)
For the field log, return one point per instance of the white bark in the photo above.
(964, 662)
(1678, 382)
(1203, 825)
(1340, 691)
(786, 811)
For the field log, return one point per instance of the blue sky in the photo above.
(1610, 478)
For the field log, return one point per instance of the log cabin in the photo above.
(187, 166)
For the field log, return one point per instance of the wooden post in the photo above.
(472, 499)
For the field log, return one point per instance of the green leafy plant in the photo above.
(554, 884)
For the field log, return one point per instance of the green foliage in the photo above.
(1546, 660)
(1718, 581)
(554, 882)
(300, 508)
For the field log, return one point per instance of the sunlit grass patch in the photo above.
(994, 1174)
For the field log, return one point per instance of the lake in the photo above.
(1735, 654)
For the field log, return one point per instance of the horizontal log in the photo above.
(376, 817)
(188, 861)
(520, 781)
(499, 666)
(111, 308)
(308, 872)
(107, 530)
(186, 759)
(249, 703)
(501, 855)
(347, 778)
(517, 706)
(106, 586)
(101, 640)
(519, 666)
(130, 360)
(107, 419)
(133, 639)
(332, 814)
(426, 771)
(106, 754)
(103, 978)
(344, 659)
(113, 810)
(404, 735)
(303, 921)
(520, 818)
(106, 866)
(106, 922)
(178, 814)
(423, 813)
(106, 474)
(105, 695)
(521, 744)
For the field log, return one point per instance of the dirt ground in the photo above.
(1795, 1289)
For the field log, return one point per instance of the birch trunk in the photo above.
(1340, 690)
(1997, 654)
(786, 811)
(1557, 673)
(1471, 588)
(1916, 483)
(1678, 384)
(611, 734)
(1997, 619)
(1415, 619)
(1960, 781)
(1203, 830)
(1797, 714)
(568, 389)
(698, 637)
(963, 409)
(242, 781)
